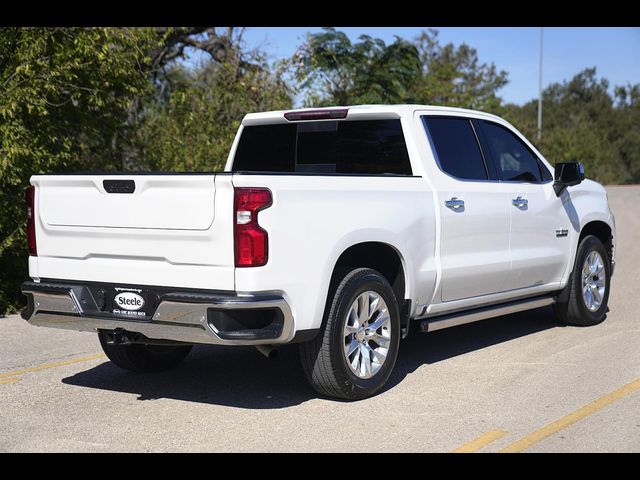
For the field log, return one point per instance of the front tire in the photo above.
(355, 352)
(589, 286)
(143, 358)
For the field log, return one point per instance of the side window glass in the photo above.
(546, 174)
(456, 147)
(514, 161)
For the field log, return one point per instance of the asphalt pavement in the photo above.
(521, 382)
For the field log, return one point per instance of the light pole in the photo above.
(540, 88)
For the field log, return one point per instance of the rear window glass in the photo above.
(356, 147)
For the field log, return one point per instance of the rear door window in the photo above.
(374, 147)
(456, 147)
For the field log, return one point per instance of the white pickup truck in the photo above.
(337, 229)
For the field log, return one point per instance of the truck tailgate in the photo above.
(173, 230)
(180, 202)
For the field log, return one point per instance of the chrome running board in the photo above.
(477, 314)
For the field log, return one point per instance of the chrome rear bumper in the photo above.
(181, 316)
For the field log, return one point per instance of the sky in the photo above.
(614, 51)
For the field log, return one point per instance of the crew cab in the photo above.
(339, 229)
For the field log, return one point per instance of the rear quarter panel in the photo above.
(314, 219)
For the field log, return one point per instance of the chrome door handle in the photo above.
(520, 202)
(454, 203)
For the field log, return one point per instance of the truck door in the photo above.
(539, 225)
(474, 207)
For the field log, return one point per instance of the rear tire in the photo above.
(586, 303)
(354, 354)
(143, 358)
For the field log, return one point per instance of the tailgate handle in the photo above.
(119, 186)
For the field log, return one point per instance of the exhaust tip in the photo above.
(268, 351)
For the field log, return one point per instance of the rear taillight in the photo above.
(30, 195)
(251, 241)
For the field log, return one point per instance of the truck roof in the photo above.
(362, 112)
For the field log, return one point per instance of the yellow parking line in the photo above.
(62, 363)
(572, 418)
(9, 380)
(481, 441)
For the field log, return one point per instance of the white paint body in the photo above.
(177, 230)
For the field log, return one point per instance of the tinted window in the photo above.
(546, 174)
(514, 161)
(456, 147)
(360, 147)
(271, 147)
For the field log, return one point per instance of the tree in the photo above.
(628, 96)
(192, 126)
(584, 122)
(64, 99)
(454, 77)
(333, 71)
(96, 99)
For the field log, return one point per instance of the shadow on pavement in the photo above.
(419, 349)
(241, 377)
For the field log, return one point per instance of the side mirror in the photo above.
(567, 175)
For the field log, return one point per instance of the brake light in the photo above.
(30, 195)
(317, 114)
(250, 240)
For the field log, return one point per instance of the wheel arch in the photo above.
(602, 231)
(386, 259)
